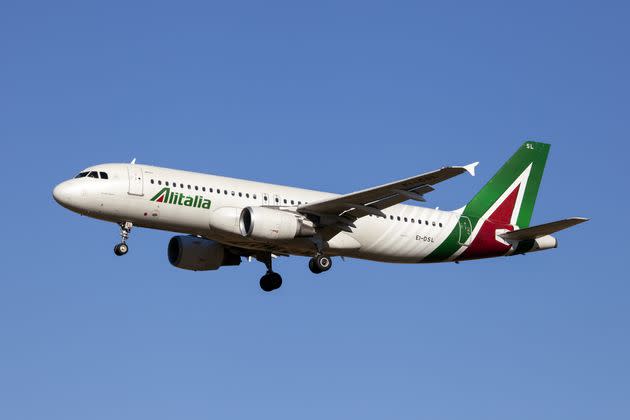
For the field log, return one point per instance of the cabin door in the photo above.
(136, 186)
(465, 230)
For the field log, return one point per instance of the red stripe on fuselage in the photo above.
(485, 243)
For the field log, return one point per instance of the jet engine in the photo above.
(198, 254)
(264, 223)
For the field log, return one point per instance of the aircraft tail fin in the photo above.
(510, 195)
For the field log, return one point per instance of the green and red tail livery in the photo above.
(505, 202)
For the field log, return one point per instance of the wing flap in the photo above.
(539, 231)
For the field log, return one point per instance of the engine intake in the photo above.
(198, 254)
(264, 223)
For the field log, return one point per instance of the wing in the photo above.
(346, 208)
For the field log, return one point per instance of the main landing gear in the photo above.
(271, 280)
(122, 248)
(319, 264)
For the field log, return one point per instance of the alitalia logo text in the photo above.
(170, 197)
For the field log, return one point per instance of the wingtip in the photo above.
(471, 168)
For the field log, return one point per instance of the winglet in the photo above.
(471, 168)
(133, 162)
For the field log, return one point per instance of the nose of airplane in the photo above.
(62, 194)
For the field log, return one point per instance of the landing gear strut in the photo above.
(271, 280)
(122, 248)
(319, 264)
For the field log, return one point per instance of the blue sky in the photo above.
(335, 96)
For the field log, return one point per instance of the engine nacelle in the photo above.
(264, 223)
(225, 220)
(198, 254)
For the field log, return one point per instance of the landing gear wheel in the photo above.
(121, 249)
(270, 281)
(320, 264)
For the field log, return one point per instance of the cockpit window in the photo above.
(93, 174)
(81, 175)
(103, 175)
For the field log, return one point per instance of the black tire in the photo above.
(313, 266)
(121, 249)
(276, 280)
(323, 263)
(266, 283)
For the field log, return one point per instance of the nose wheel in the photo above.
(122, 248)
(319, 264)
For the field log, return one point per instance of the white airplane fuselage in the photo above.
(406, 235)
(226, 219)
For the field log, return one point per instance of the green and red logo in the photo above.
(165, 195)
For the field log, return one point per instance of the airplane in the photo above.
(222, 220)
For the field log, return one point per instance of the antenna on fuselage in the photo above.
(133, 162)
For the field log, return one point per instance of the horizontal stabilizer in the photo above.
(539, 231)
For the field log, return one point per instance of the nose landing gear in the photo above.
(122, 248)
(319, 264)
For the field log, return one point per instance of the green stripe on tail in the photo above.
(530, 153)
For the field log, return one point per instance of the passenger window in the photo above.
(285, 201)
(433, 223)
(254, 196)
(233, 193)
(225, 192)
(391, 217)
(93, 174)
(189, 186)
(209, 189)
(398, 218)
(159, 182)
(277, 200)
(247, 195)
(299, 203)
(203, 189)
(196, 188)
(166, 183)
(103, 175)
(292, 202)
(181, 185)
(426, 222)
(440, 224)
(152, 182)
(405, 219)
(240, 194)
(81, 175)
(413, 221)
